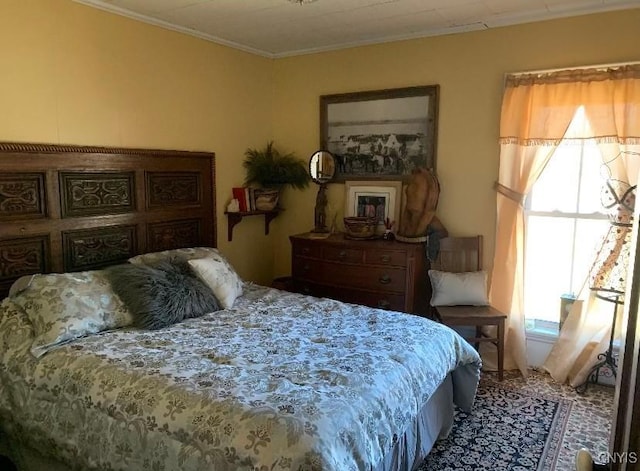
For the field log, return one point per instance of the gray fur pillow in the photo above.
(161, 295)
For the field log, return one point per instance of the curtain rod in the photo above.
(582, 67)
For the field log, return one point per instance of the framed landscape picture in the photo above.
(382, 134)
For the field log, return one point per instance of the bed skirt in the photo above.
(434, 421)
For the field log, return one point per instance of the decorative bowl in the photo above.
(266, 199)
(360, 227)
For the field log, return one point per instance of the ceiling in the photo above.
(279, 28)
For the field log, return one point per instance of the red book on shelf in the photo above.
(239, 194)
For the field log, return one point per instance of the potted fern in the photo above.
(273, 171)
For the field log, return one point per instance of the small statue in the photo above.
(388, 225)
(321, 209)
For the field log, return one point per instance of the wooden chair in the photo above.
(464, 254)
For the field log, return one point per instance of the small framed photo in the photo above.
(377, 199)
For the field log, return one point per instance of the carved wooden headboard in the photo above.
(70, 208)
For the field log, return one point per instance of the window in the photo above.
(564, 224)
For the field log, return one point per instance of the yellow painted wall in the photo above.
(469, 68)
(72, 74)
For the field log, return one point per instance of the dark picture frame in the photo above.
(380, 134)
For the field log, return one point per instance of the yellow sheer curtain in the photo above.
(537, 110)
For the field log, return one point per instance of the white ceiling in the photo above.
(278, 28)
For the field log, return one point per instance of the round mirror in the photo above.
(322, 167)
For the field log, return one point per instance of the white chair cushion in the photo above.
(452, 289)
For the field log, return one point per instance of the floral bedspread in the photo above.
(278, 382)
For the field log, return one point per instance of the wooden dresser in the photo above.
(377, 273)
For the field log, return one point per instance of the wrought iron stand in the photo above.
(607, 358)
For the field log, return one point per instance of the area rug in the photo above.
(507, 429)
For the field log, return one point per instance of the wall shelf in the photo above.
(235, 217)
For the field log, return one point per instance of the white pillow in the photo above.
(452, 289)
(220, 277)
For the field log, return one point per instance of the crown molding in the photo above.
(509, 19)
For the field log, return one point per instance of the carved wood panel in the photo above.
(173, 189)
(175, 234)
(94, 248)
(65, 208)
(22, 195)
(23, 256)
(92, 194)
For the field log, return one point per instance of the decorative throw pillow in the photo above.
(160, 295)
(452, 289)
(182, 254)
(220, 277)
(16, 332)
(20, 285)
(66, 306)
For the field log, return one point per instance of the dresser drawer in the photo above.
(307, 269)
(385, 257)
(307, 249)
(389, 301)
(373, 278)
(342, 254)
(381, 300)
(351, 276)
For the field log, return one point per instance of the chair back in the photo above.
(459, 254)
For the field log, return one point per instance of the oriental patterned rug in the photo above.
(509, 429)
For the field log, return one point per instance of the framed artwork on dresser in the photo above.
(380, 134)
(377, 199)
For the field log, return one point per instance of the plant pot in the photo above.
(266, 199)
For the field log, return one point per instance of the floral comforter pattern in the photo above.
(279, 382)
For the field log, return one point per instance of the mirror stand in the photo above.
(322, 168)
(321, 210)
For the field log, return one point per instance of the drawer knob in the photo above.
(305, 250)
(383, 304)
(342, 254)
(385, 279)
(306, 290)
(385, 259)
(306, 267)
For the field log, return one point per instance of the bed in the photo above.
(275, 381)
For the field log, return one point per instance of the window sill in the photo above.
(542, 334)
(542, 331)
(549, 332)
